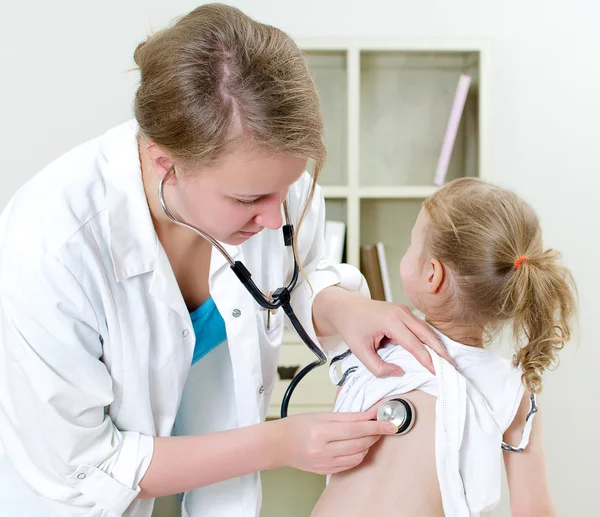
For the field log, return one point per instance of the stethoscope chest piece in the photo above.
(399, 412)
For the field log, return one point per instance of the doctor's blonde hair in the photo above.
(491, 241)
(217, 80)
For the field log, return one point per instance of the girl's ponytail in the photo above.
(540, 297)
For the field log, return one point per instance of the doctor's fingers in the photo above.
(403, 336)
(376, 365)
(351, 416)
(424, 333)
(344, 431)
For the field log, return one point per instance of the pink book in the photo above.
(455, 114)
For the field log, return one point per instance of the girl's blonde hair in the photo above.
(217, 80)
(491, 241)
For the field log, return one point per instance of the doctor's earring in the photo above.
(399, 412)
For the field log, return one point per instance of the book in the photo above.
(385, 274)
(335, 239)
(460, 97)
(369, 267)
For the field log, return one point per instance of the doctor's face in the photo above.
(239, 196)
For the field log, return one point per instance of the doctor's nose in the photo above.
(271, 216)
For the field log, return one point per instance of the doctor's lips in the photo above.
(250, 234)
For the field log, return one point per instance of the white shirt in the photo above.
(96, 341)
(474, 407)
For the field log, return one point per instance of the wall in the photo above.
(65, 79)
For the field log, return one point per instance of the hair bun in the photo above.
(137, 53)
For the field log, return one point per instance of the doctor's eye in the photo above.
(246, 203)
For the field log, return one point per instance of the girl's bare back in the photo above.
(398, 477)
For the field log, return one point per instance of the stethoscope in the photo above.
(280, 297)
(398, 411)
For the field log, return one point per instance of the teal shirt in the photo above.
(209, 328)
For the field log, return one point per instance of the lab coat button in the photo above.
(261, 390)
(236, 313)
(81, 476)
(185, 333)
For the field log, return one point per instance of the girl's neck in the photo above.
(470, 335)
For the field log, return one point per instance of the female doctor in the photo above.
(105, 303)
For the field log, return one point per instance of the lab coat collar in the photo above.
(218, 261)
(133, 239)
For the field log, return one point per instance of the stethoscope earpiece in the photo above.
(399, 412)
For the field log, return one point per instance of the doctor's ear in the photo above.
(436, 275)
(161, 161)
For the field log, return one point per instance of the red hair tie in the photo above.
(520, 260)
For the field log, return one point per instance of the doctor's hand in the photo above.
(366, 324)
(327, 443)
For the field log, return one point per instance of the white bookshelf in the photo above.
(386, 105)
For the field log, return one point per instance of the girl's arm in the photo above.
(526, 471)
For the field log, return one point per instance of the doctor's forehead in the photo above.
(258, 174)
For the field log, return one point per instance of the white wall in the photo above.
(64, 79)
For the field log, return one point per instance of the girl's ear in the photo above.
(436, 275)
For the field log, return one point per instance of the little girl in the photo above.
(475, 263)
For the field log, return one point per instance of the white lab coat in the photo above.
(96, 341)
